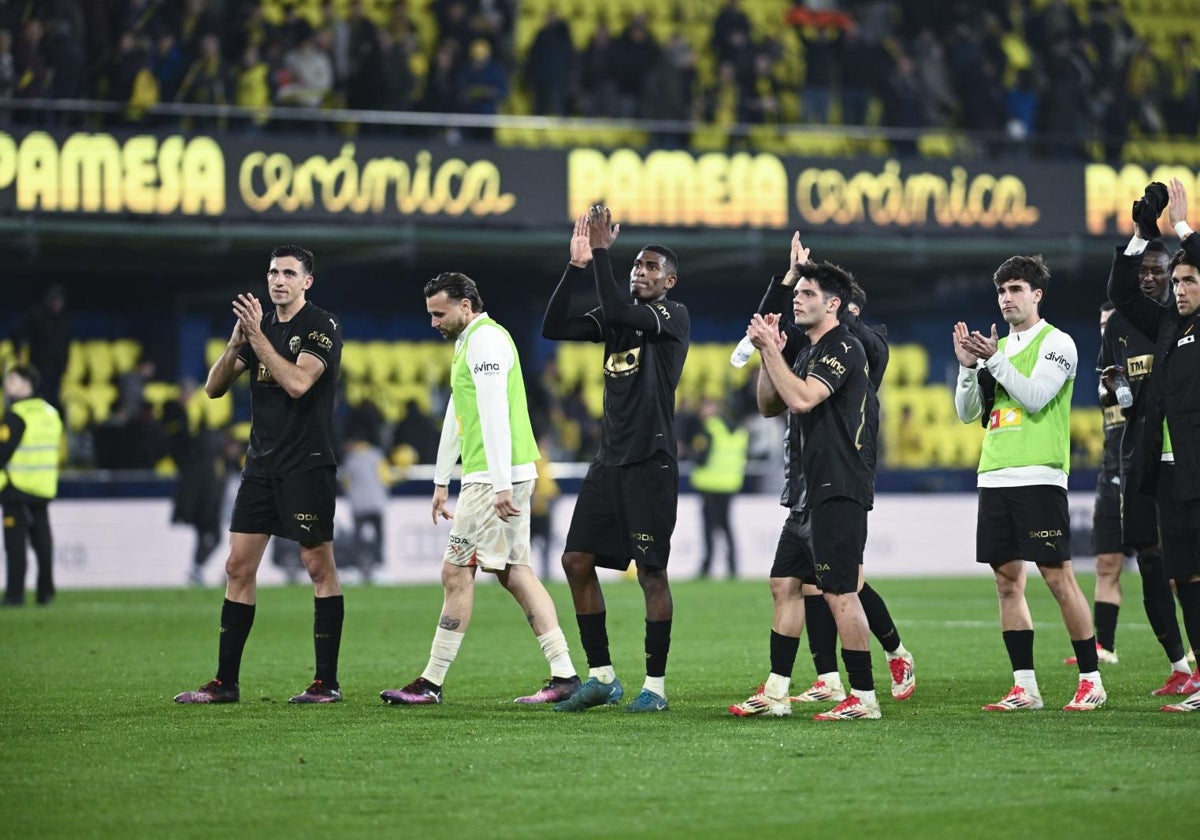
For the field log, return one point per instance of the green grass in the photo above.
(94, 746)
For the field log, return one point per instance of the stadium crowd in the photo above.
(1063, 78)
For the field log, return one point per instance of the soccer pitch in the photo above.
(96, 748)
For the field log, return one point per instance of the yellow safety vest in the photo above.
(725, 469)
(33, 468)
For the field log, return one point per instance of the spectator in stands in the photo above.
(132, 383)
(395, 82)
(861, 73)
(66, 51)
(1065, 97)
(550, 66)
(30, 436)
(1112, 38)
(1182, 109)
(418, 430)
(1055, 23)
(310, 70)
(168, 65)
(8, 75)
(442, 93)
(597, 72)
(1021, 108)
(131, 79)
(363, 472)
(363, 68)
(759, 99)
(930, 60)
(207, 82)
(729, 23)
(199, 490)
(668, 92)
(44, 335)
(821, 49)
(635, 52)
(33, 71)
(1145, 82)
(252, 87)
(483, 84)
(904, 103)
(454, 26)
(193, 23)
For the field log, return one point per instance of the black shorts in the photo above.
(1139, 517)
(793, 553)
(1023, 523)
(1180, 522)
(824, 546)
(297, 507)
(627, 513)
(1106, 516)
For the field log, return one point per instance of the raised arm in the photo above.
(798, 395)
(558, 324)
(228, 367)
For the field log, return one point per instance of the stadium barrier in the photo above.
(131, 543)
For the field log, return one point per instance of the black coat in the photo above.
(1174, 383)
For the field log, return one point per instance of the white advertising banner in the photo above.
(132, 543)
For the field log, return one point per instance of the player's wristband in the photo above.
(1182, 229)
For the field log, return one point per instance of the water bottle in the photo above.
(1122, 390)
(743, 352)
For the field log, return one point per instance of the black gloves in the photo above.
(1148, 208)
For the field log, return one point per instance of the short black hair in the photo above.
(857, 295)
(27, 372)
(670, 261)
(457, 286)
(304, 255)
(1032, 270)
(1157, 246)
(1181, 258)
(833, 280)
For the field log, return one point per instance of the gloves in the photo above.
(1148, 208)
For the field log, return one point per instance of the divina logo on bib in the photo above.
(487, 367)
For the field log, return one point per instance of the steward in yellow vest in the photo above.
(30, 438)
(719, 474)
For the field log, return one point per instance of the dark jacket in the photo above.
(1175, 385)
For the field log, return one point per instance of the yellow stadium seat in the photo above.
(158, 393)
(379, 361)
(354, 361)
(126, 352)
(100, 398)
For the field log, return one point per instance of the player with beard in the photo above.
(1125, 519)
(1170, 466)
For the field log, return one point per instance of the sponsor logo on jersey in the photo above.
(323, 341)
(486, 367)
(1004, 419)
(1058, 359)
(1139, 367)
(834, 365)
(623, 362)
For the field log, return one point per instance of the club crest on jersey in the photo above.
(294, 344)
